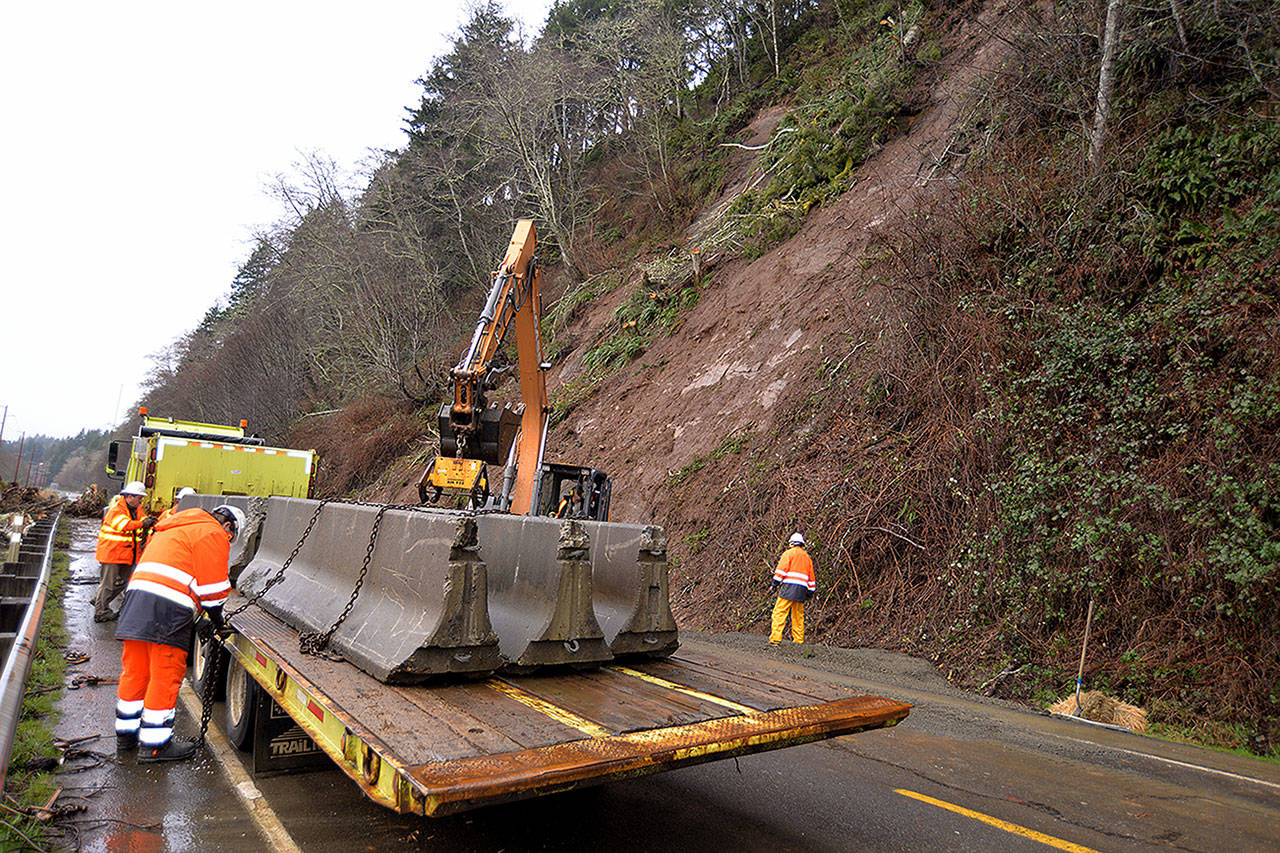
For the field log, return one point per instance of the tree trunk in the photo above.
(1106, 83)
(1175, 7)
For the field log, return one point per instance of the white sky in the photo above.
(136, 143)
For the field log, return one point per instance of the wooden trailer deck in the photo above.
(444, 747)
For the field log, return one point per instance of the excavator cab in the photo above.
(572, 491)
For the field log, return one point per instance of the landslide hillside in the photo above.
(884, 273)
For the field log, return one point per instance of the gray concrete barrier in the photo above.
(540, 590)
(422, 606)
(629, 576)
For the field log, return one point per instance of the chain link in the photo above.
(214, 651)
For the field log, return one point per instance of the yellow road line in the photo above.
(999, 824)
(679, 688)
(555, 712)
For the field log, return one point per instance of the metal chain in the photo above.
(214, 647)
(314, 643)
(210, 686)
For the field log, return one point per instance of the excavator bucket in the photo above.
(432, 592)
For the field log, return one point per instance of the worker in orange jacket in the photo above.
(795, 582)
(182, 574)
(120, 541)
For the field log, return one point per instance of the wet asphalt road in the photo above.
(130, 807)
(961, 773)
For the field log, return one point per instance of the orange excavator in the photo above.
(475, 434)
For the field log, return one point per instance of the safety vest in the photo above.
(121, 536)
(795, 567)
(186, 562)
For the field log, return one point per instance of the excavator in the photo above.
(475, 433)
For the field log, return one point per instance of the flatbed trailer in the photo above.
(440, 748)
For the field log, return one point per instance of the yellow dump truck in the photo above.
(167, 455)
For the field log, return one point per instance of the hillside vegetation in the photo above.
(997, 351)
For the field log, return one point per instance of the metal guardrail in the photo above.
(31, 569)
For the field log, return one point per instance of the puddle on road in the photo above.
(182, 806)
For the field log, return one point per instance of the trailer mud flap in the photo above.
(422, 606)
(279, 744)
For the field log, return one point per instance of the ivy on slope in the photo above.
(1138, 434)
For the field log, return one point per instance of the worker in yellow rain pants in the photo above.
(794, 581)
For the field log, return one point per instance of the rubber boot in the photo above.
(177, 749)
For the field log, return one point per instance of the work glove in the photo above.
(210, 625)
(220, 626)
(148, 522)
(776, 584)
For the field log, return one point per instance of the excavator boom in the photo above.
(512, 436)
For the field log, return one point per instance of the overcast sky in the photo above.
(138, 142)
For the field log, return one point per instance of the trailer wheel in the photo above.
(242, 696)
(202, 668)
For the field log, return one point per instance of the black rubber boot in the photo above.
(177, 749)
(126, 741)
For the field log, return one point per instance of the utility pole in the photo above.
(19, 462)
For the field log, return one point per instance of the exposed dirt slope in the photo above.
(761, 327)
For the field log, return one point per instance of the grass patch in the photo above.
(731, 444)
(27, 786)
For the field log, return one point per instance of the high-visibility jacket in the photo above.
(795, 574)
(121, 536)
(182, 572)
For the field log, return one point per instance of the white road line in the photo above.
(1199, 767)
(259, 809)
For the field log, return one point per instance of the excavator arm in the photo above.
(470, 429)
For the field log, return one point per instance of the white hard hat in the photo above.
(796, 539)
(236, 514)
(183, 492)
(134, 487)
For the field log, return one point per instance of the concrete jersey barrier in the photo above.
(422, 606)
(631, 596)
(451, 592)
(540, 590)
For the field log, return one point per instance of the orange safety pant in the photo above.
(147, 696)
(781, 609)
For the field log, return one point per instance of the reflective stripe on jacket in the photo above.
(121, 535)
(795, 568)
(182, 571)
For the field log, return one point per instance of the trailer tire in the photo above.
(242, 699)
(202, 667)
